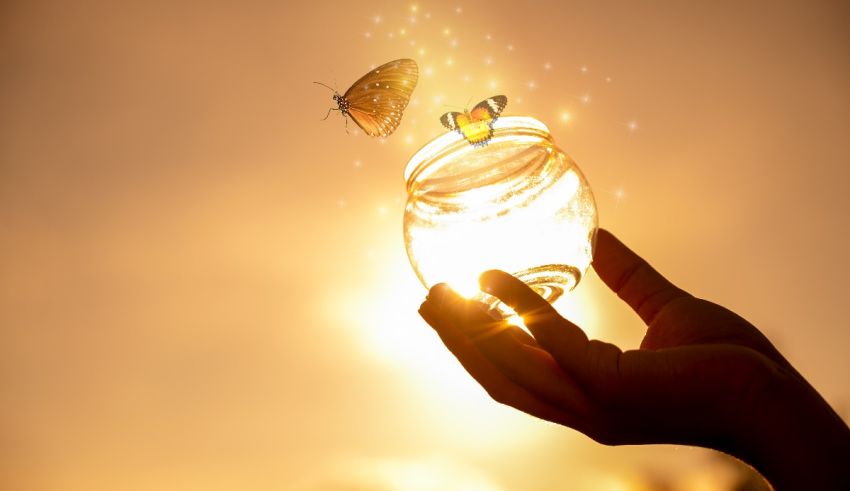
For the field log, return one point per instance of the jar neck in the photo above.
(449, 163)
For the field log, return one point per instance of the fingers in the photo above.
(643, 288)
(512, 372)
(560, 337)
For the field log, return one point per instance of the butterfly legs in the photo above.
(329, 113)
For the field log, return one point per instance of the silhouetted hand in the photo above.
(702, 376)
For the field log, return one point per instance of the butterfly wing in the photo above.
(489, 109)
(377, 100)
(478, 127)
(450, 120)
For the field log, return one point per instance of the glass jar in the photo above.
(518, 204)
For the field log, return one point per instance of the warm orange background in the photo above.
(203, 286)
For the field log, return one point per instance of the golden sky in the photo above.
(204, 286)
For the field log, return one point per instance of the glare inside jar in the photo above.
(518, 204)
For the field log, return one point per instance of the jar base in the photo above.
(550, 281)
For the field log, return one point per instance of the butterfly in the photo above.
(476, 125)
(375, 101)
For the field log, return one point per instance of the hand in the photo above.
(702, 376)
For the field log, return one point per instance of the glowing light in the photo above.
(412, 42)
(608, 79)
(341, 203)
(516, 320)
(585, 98)
(357, 164)
(414, 8)
(450, 62)
(510, 47)
(402, 32)
(367, 34)
(620, 194)
(454, 43)
(488, 37)
(488, 60)
(446, 31)
(429, 71)
(391, 34)
(583, 69)
(494, 84)
(376, 19)
(382, 211)
(421, 51)
(632, 125)
(427, 15)
(565, 117)
(458, 9)
(467, 78)
(531, 84)
(547, 66)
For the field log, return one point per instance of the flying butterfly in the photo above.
(476, 125)
(375, 101)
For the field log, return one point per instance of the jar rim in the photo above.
(447, 142)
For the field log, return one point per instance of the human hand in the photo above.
(702, 376)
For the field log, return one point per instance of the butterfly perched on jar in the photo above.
(375, 101)
(476, 125)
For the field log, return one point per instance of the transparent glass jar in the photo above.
(518, 204)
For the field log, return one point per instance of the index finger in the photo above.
(643, 288)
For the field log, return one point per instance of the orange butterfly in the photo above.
(375, 102)
(476, 125)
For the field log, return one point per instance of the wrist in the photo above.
(795, 439)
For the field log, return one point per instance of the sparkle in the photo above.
(446, 31)
(382, 210)
(620, 194)
(414, 8)
(341, 203)
(450, 62)
(565, 117)
(531, 84)
(427, 15)
(412, 42)
(458, 9)
(367, 34)
(547, 66)
(494, 84)
(467, 78)
(412, 19)
(376, 19)
(429, 71)
(402, 32)
(510, 47)
(488, 60)
(454, 43)
(488, 37)
(519, 100)
(391, 34)
(583, 69)
(585, 98)
(421, 51)
(358, 164)
(632, 125)
(408, 139)
(608, 79)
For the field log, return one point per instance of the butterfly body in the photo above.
(476, 126)
(376, 101)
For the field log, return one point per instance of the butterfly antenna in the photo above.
(323, 85)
